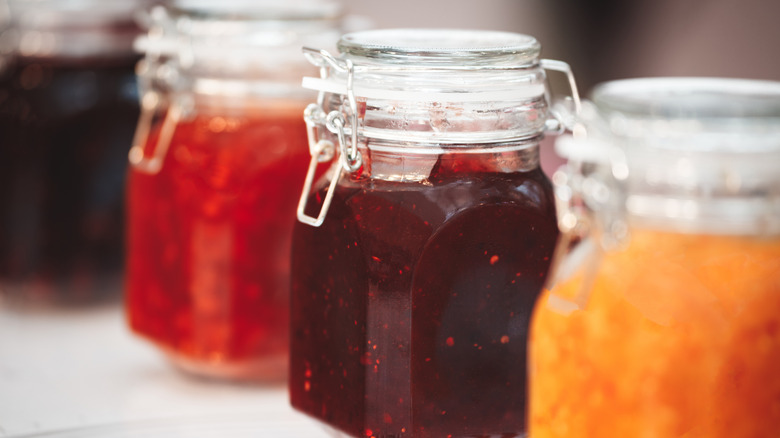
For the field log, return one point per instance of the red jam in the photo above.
(410, 304)
(209, 242)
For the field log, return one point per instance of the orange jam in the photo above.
(679, 336)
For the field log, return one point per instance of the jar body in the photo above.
(678, 338)
(209, 237)
(410, 303)
(66, 126)
(661, 319)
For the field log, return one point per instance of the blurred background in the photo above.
(612, 39)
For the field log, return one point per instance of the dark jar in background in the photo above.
(68, 107)
(420, 254)
(218, 162)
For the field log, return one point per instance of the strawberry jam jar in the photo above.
(419, 255)
(220, 153)
(662, 316)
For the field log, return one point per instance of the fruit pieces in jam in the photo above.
(410, 304)
(680, 337)
(209, 238)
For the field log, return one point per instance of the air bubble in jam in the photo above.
(209, 237)
(419, 317)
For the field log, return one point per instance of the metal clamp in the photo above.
(335, 122)
(323, 148)
(574, 252)
(560, 124)
(149, 106)
(590, 223)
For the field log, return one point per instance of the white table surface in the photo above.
(80, 373)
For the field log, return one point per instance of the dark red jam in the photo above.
(410, 304)
(209, 242)
(65, 129)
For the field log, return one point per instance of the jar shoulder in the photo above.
(395, 222)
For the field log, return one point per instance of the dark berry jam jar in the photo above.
(68, 106)
(418, 257)
(217, 165)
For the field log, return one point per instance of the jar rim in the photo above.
(67, 14)
(64, 30)
(262, 35)
(693, 114)
(690, 97)
(440, 47)
(256, 10)
(687, 154)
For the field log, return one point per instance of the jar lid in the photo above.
(232, 37)
(694, 114)
(441, 47)
(249, 10)
(705, 116)
(60, 13)
(714, 98)
(73, 28)
(438, 65)
(694, 154)
(439, 86)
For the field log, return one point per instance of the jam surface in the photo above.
(410, 304)
(65, 129)
(680, 337)
(209, 242)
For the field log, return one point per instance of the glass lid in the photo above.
(442, 47)
(239, 10)
(694, 114)
(689, 154)
(703, 98)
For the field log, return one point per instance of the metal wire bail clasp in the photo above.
(150, 105)
(321, 149)
(560, 122)
(151, 71)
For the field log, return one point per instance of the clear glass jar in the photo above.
(661, 317)
(419, 255)
(68, 105)
(216, 168)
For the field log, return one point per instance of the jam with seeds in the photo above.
(410, 304)
(209, 241)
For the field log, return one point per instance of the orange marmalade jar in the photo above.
(661, 319)
(219, 156)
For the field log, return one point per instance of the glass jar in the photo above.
(661, 317)
(419, 255)
(68, 106)
(219, 155)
